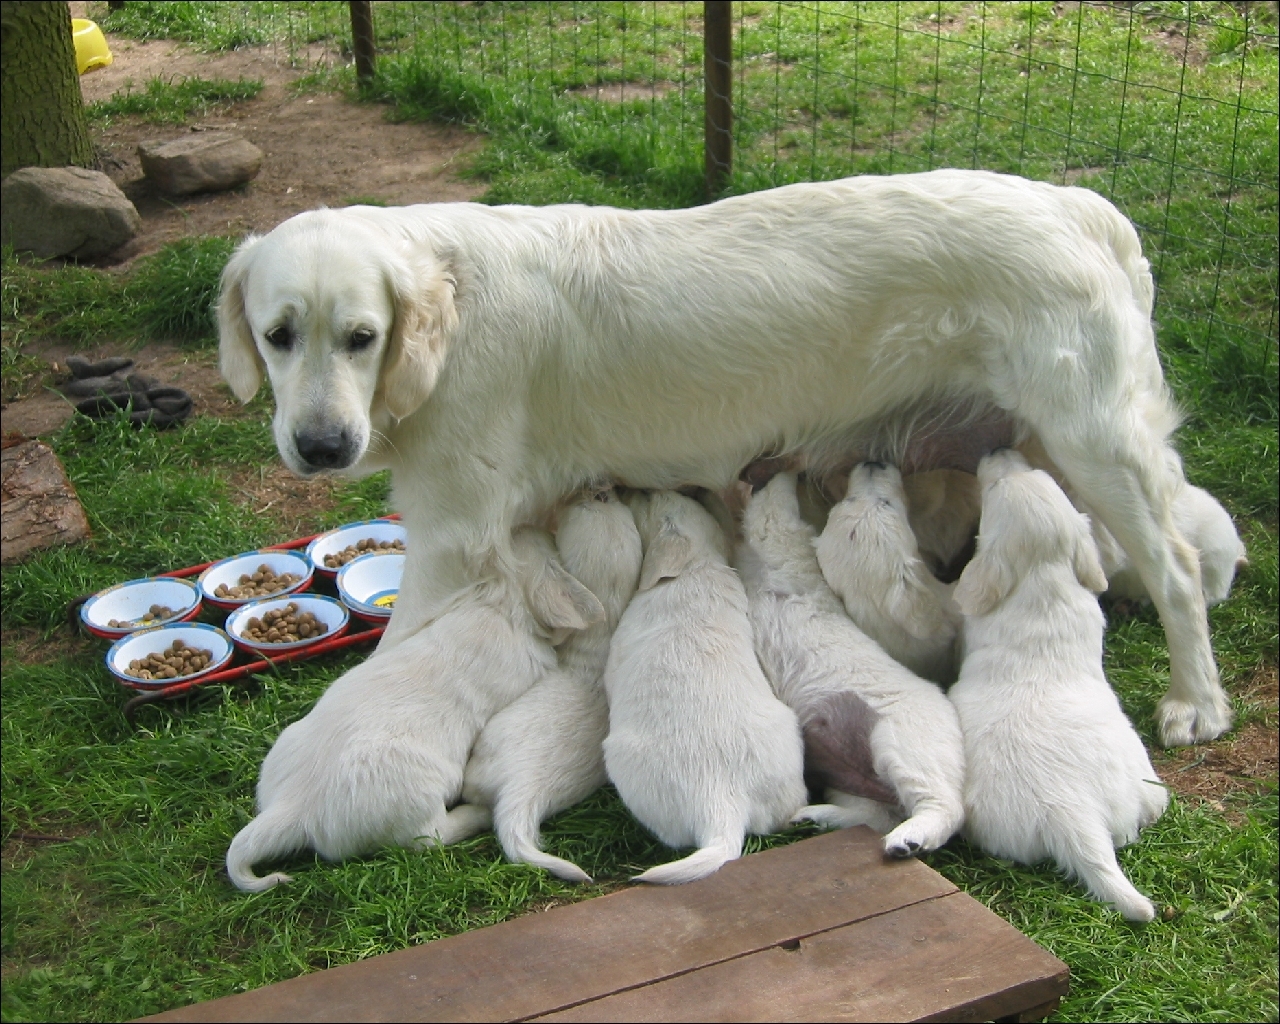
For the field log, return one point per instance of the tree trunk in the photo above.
(42, 122)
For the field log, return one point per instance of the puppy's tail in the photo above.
(697, 865)
(518, 834)
(1086, 853)
(266, 837)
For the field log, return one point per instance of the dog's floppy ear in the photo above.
(669, 553)
(424, 317)
(985, 582)
(238, 359)
(560, 603)
(913, 605)
(1085, 559)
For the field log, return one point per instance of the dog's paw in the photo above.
(1181, 723)
(827, 815)
(901, 850)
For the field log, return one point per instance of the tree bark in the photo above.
(42, 122)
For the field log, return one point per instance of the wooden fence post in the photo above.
(717, 63)
(362, 39)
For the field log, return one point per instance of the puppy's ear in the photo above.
(985, 582)
(1085, 559)
(425, 316)
(669, 553)
(238, 359)
(913, 605)
(560, 603)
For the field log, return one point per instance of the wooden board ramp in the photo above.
(822, 930)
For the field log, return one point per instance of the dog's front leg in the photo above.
(459, 522)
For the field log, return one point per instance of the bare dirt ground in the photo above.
(319, 148)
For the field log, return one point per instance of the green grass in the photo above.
(134, 915)
(165, 101)
(167, 296)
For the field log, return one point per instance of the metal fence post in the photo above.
(717, 63)
(362, 39)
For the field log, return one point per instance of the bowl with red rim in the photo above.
(330, 614)
(127, 653)
(140, 604)
(378, 536)
(369, 586)
(223, 586)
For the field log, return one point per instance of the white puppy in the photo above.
(1208, 528)
(868, 721)
(542, 753)
(381, 755)
(869, 556)
(497, 358)
(700, 749)
(1054, 767)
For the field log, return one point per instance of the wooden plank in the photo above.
(543, 962)
(945, 959)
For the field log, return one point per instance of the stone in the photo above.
(39, 508)
(202, 162)
(65, 211)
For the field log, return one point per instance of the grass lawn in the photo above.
(115, 903)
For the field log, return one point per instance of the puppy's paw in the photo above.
(901, 850)
(918, 835)
(827, 815)
(1182, 723)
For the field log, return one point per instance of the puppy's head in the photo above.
(869, 554)
(348, 320)
(1027, 521)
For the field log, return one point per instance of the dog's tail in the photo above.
(268, 836)
(518, 834)
(1086, 853)
(698, 864)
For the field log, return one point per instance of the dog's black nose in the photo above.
(324, 449)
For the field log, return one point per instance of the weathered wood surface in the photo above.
(824, 929)
(39, 506)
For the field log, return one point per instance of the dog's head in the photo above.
(1027, 521)
(350, 322)
(869, 554)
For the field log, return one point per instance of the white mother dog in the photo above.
(563, 344)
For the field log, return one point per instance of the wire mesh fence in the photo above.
(1169, 109)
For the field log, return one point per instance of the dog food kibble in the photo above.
(284, 626)
(176, 660)
(363, 547)
(156, 613)
(258, 584)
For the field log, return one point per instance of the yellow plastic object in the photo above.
(91, 45)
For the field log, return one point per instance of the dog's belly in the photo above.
(944, 436)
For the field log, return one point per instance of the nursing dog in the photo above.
(498, 358)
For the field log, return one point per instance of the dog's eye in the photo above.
(362, 338)
(280, 337)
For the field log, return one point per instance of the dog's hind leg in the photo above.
(1128, 477)
(463, 822)
(846, 810)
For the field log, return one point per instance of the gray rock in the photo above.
(203, 162)
(65, 211)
